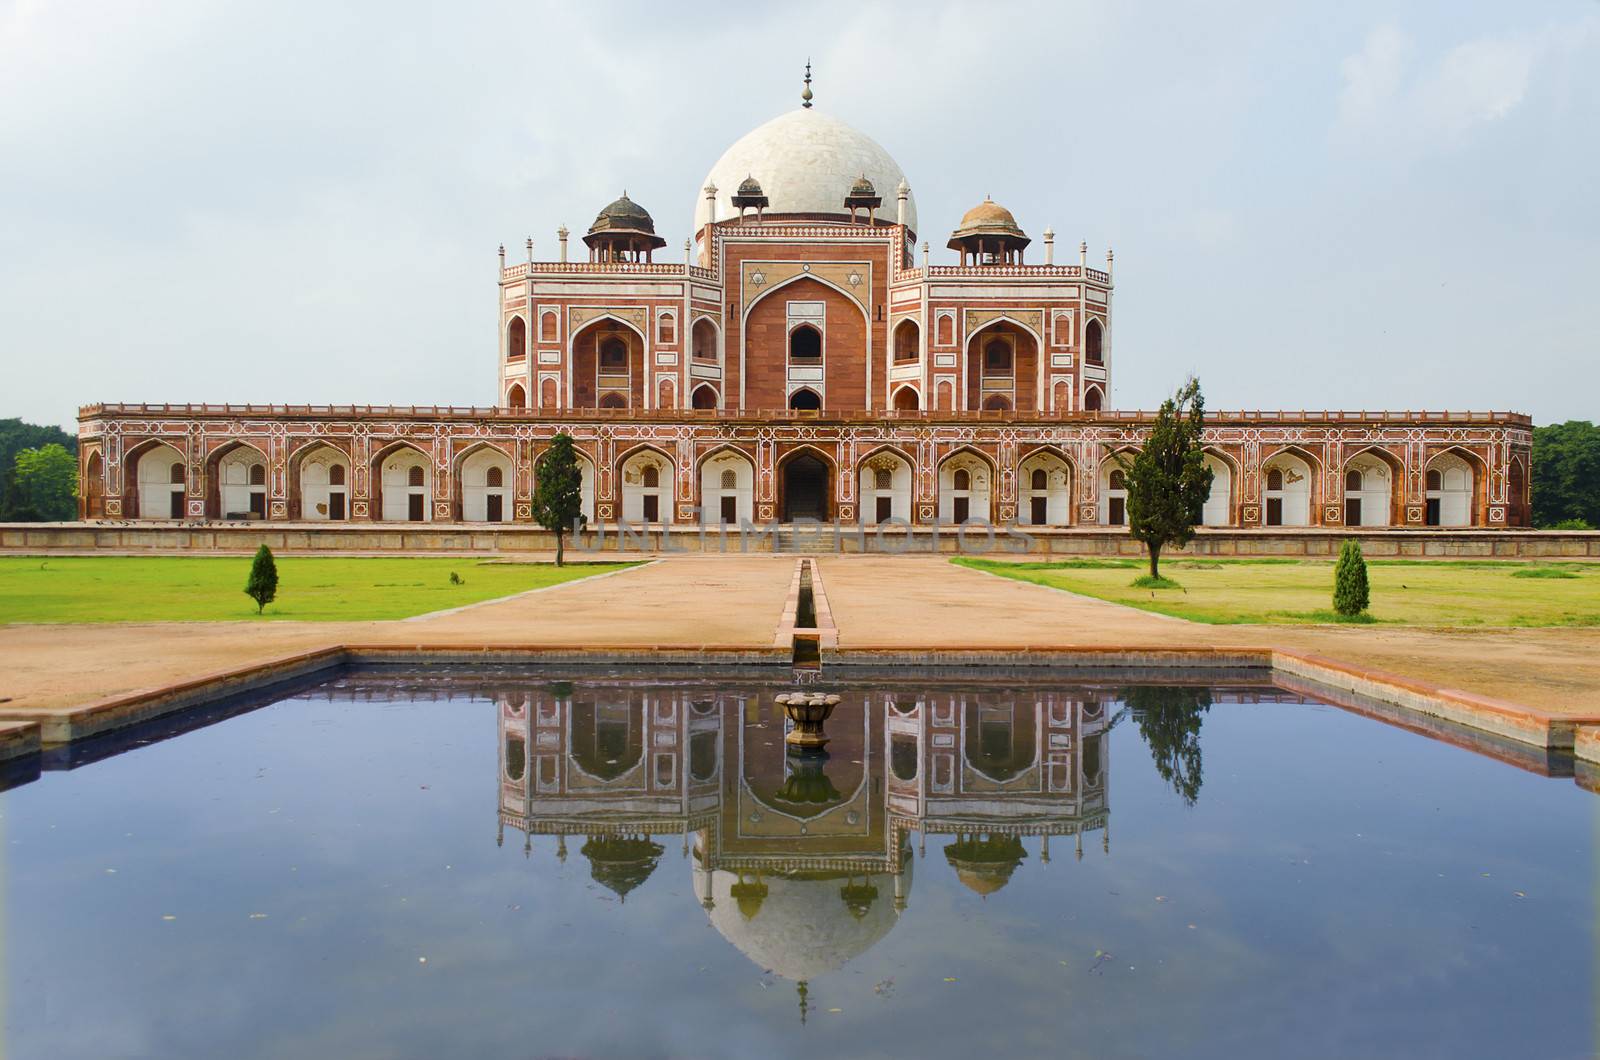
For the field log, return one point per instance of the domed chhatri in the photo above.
(622, 232)
(989, 233)
(807, 162)
(750, 196)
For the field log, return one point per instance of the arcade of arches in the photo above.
(716, 480)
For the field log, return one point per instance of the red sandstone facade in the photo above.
(799, 363)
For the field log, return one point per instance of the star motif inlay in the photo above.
(758, 278)
(855, 279)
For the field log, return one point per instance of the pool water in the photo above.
(530, 863)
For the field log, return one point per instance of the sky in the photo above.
(1353, 205)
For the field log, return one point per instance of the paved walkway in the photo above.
(916, 601)
(692, 601)
(685, 602)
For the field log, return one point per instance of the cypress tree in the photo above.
(558, 490)
(1350, 592)
(1168, 480)
(263, 584)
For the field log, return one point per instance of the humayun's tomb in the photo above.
(804, 360)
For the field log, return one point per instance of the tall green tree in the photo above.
(1169, 718)
(1168, 480)
(15, 435)
(558, 491)
(263, 584)
(46, 483)
(1566, 473)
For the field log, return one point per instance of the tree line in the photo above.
(38, 473)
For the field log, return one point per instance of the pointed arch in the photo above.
(1222, 500)
(516, 338)
(584, 366)
(1094, 398)
(704, 397)
(887, 483)
(1290, 503)
(724, 502)
(232, 489)
(397, 495)
(1113, 491)
(906, 399)
(647, 476)
(962, 498)
(805, 475)
(1041, 499)
(148, 472)
(516, 397)
(313, 493)
(781, 284)
(1374, 504)
(805, 399)
(475, 495)
(1449, 503)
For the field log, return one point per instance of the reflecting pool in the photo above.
(441, 863)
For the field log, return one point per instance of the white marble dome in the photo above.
(802, 929)
(805, 162)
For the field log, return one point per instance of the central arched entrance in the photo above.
(805, 488)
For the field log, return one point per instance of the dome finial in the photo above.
(805, 95)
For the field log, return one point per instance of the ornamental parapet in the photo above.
(604, 268)
(789, 416)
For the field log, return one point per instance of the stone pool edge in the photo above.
(23, 730)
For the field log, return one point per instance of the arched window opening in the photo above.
(997, 403)
(336, 475)
(947, 330)
(1435, 480)
(705, 341)
(667, 329)
(962, 479)
(516, 758)
(547, 327)
(414, 476)
(1094, 343)
(1038, 480)
(997, 356)
(805, 401)
(613, 354)
(1118, 480)
(652, 476)
(175, 475)
(1274, 479)
(905, 342)
(905, 399)
(805, 344)
(613, 400)
(883, 479)
(1091, 400)
(704, 398)
(516, 398)
(1352, 480)
(258, 474)
(516, 339)
(903, 757)
(730, 479)
(494, 478)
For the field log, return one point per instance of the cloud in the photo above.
(1389, 97)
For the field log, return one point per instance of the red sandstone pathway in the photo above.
(928, 602)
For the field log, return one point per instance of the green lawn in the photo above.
(1404, 592)
(208, 588)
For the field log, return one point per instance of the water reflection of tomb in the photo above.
(802, 864)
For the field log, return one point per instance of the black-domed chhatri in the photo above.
(623, 231)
